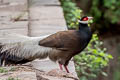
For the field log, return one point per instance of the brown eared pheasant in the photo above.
(59, 47)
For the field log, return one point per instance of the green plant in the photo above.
(109, 10)
(3, 70)
(71, 13)
(13, 69)
(11, 78)
(107, 13)
(92, 60)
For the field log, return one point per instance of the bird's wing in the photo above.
(61, 40)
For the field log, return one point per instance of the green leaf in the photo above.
(102, 54)
(110, 56)
(83, 78)
(104, 74)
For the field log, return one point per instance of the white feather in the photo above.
(84, 22)
(24, 46)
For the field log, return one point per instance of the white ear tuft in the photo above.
(79, 21)
(83, 22)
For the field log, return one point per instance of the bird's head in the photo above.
(85, 20)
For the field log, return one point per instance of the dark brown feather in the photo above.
(65, 40)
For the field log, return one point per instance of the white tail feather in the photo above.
(23, 46)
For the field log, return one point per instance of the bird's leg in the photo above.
(60, 65)
(66, 69)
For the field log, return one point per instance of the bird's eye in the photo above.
(85, 19)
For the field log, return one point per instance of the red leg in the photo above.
(60, 65)
(66, 69)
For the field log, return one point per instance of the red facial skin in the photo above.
(85, 19)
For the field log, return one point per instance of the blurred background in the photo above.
(101, 59)
(104, 48)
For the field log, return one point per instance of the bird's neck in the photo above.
(84, 28)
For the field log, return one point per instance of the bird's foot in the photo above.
(65, 67)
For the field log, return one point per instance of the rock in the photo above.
(55, 74)
(18, 72)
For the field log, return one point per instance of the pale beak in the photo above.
(90, 18)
